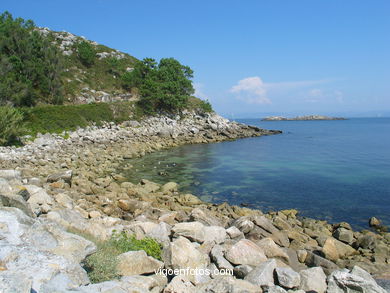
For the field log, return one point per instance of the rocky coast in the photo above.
(59, 193)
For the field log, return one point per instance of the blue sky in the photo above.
(249, 57)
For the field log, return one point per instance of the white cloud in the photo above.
(252, 90)
(199, 91)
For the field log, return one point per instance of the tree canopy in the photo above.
(30, 66)
(165, 86)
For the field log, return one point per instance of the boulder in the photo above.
(288, 278)
(372, 222)
(233, 232)
(169, 187)
(242, 270)
(244, 224)
(214, 233)
(343, 235)
(224, 284)
(179, 284)
(245, 252)
(194, 231)
(357, 280)
(313, 280)
(182, 254)
(218, 258)
(65, 176)
(314, 260)
(276, 289)
(263, 275)
(11, 174)
(137, 263)
(334, 249)
(271, 250)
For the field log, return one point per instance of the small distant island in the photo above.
(302, 118)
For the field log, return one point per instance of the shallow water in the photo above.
(333, 170)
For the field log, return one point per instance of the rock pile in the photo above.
(275, 252)
(54, 187)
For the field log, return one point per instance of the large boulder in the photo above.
(194, 231)
(288, 278)
(182, 254)
(245, 252)
(65, 176)
(218, 258)
(357, 280)
(263, 275)
(179, 284)
(11, 174)
(36, 260)
(334, 249)
(272, 250)
(313, 280)
(137, 263)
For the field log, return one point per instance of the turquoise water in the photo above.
(333, 170)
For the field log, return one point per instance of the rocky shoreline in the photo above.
(55, 186)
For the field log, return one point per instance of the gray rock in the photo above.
(11, 175)
(218, 258)
(242, 270)
(344, 235)
(272, 250)
(288, 278)
(227, 284)
(245, 252)
(65, 176)
(182, 254)
(244, 224)
(313, 280)
(314, 260)
(263, 275)
(265, 224)
(359, 281)
(191, 230)
(137, 263)
(214, 233)
(39, 262)
(276, 289)
(234, 232)
(179, 284)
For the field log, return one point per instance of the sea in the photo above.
(329, 170)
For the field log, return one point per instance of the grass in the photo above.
(101, 266)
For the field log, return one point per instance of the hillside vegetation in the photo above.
(40, 67)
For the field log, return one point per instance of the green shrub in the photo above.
(199, 105)
(101, 266)
(86, 53)
(10, 125)
(56, 119)
(30, 66)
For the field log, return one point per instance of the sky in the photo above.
(250, 57)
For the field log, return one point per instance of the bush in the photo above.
(86, 53)
(165, 87)
(199, 105)
(10, 125)
(56, 119)
(101, 266)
